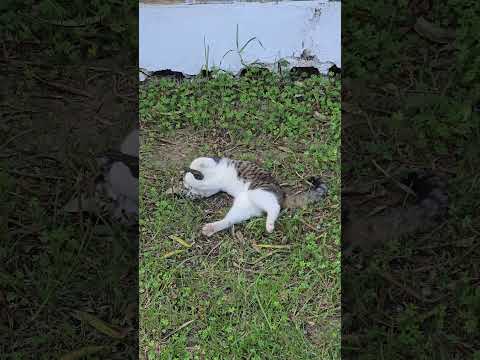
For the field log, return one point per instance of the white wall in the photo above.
(172, 36)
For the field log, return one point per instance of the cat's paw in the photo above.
(270, 227)
(208, 229)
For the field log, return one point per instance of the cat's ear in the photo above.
(205, 163)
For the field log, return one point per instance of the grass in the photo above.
(416, 99)
(71, 32)
(55, 267)
(68, 283)
(242, 294)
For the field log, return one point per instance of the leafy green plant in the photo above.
(238, 302)
(417, 112)
(71, 31)
(248, 107)
(241, 48)
(206, 55)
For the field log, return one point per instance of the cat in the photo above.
(430, 207)
(116, 186)
(114, 190)
(255, 191)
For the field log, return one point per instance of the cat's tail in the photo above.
(431, 191)
(316, 193)
(430, 208)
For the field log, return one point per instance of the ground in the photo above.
(68, 282)
(242, 293)
(409, 103)
(54, 265)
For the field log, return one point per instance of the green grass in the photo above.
(53, 264)
(70, 31)
(416, 98)
(223, 297)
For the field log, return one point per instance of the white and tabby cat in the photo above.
(255, 191)
(114, 190)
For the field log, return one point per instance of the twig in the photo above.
(268, 246)
(309, 226)
(166, 142)
(74, 23)
(409, 290)
(429, 235)
(461, 261)
(400, 185)
(177, 330)
(245, 269)
(429, 267)
(264, 257)
(4, 145)
(352, 192)
(216, 246)
(228, 151)
(376, 211)
(64, 87)
(16, 172)
(261, 308)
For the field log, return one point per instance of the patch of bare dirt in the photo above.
(173, 151)
(179, 149)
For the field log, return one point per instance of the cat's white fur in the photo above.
(119, 185)
(122, 185)
(223, 177)
(123, 188)
(131, 143)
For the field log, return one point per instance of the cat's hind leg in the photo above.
(241, 210)
(267, 202)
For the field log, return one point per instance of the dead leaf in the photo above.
(180, 241)
(101, 325)
(433, 32)
(172, 253)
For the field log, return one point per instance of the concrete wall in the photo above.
(172, 36)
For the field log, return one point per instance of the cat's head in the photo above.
(197, 176)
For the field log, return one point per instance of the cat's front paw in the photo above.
(208, 229)
(270, 227)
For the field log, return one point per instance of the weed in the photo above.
(279, 299)
(417, 113)
(241, 48)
